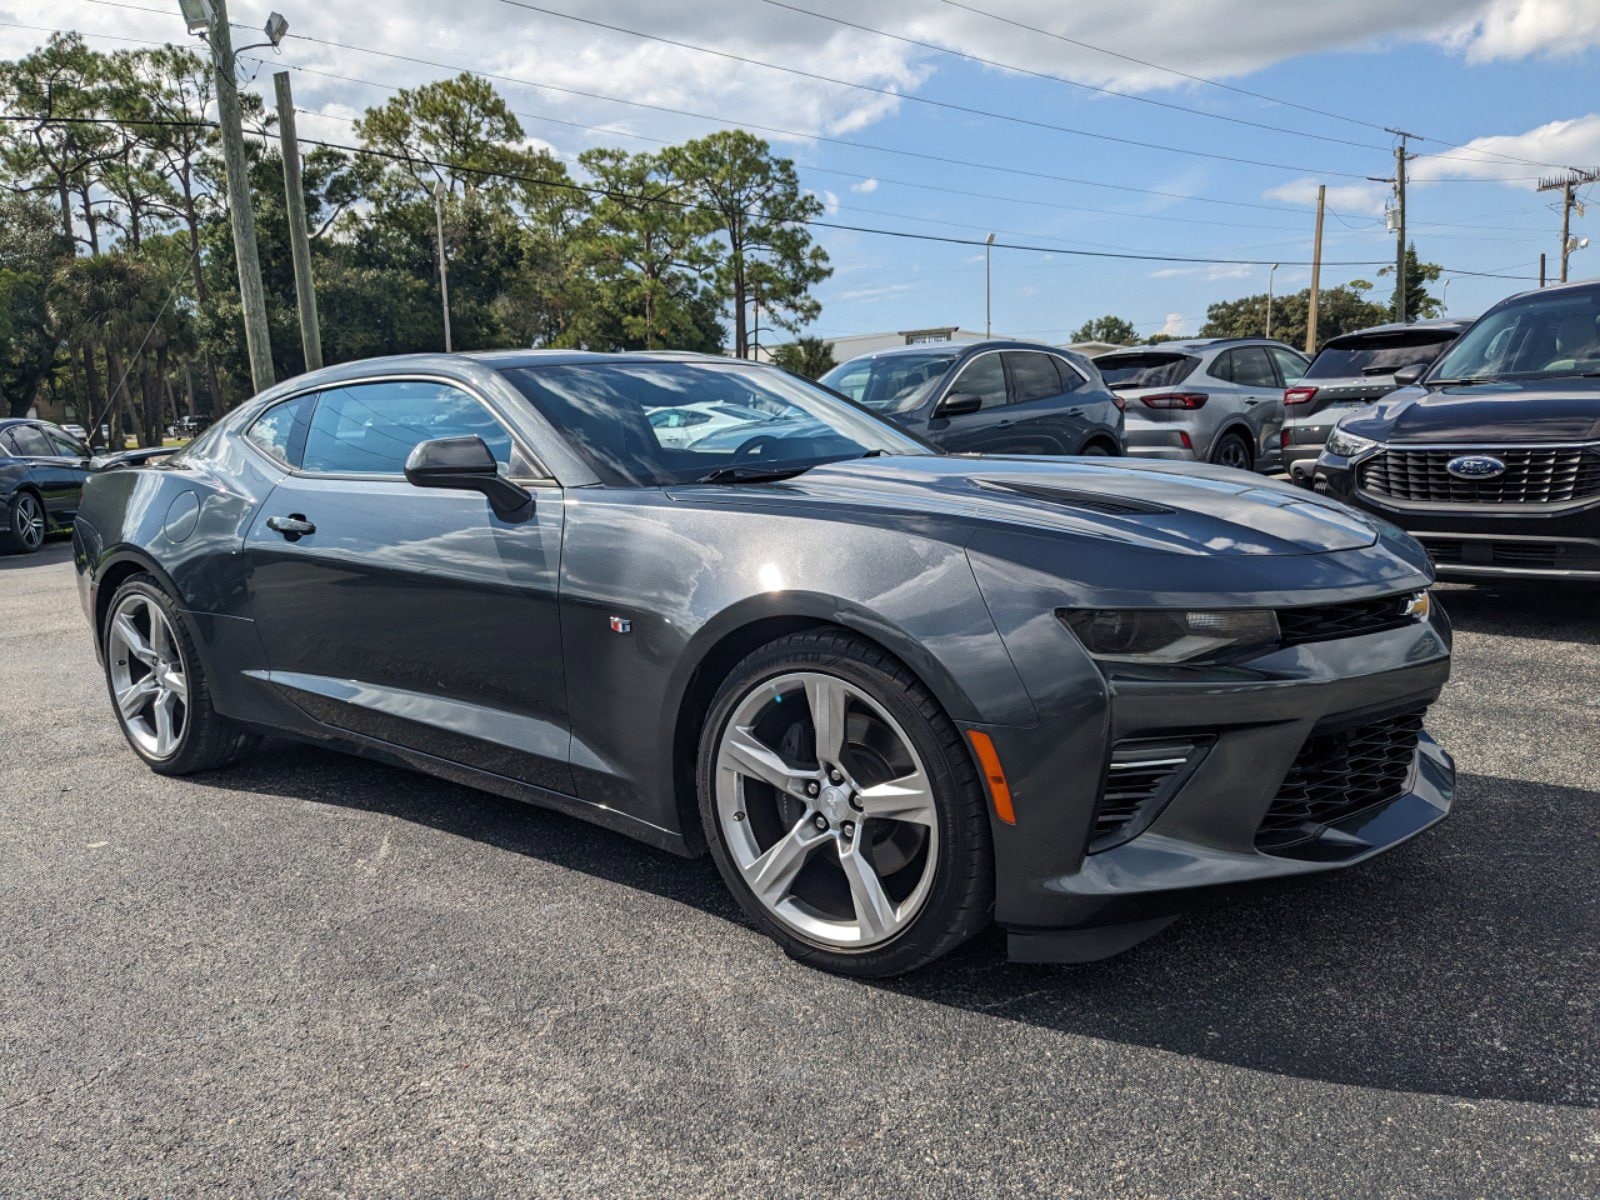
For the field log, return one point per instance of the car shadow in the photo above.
(1548, 609)
(56, 549)
(1464, 964)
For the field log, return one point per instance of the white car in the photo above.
(680, 424)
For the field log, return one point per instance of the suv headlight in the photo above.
(1172, 635)
(1348, 445)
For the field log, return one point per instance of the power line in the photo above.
(947, 105)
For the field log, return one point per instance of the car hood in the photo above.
(1182, 508)
(1566, 410)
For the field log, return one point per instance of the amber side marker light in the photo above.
(999, 789)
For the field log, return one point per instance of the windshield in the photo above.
(1548, 333)
(1126, 371)
(890, 383)
(1378, 355)
(616, 416)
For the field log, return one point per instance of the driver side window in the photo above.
(983, 377)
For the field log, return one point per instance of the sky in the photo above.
(1165, 131)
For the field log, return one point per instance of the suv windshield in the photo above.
(1146, 369)
(769, 422)
(1380, 354)
(890, 383)
(1543, 334)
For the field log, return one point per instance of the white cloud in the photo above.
(866, 187)
(1342, 197)
(1574, 142)
(1513, 29)
(868, 294)
(1176, 325)
(1211, 273)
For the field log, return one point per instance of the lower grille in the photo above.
(1533, 475)
(1142, 776)
(1528, 554)
(1324, 622)
(1338, 775)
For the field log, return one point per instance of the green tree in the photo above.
(1419, 303)
(1339, 310)
(1115, 330)
(765, 255)
(808, 356)
(31, 248)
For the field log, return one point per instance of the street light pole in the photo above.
(988, 245)
(1270, 275)
(1444, 296)
(444, 273)
(211, 17)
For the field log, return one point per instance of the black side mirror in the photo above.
(958, 404)
(465, 464)
(1409, 374)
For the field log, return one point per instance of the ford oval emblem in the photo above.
(1475, 466)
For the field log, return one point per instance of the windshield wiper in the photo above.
(1466, 381)
(752, 474)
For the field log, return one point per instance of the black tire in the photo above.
(1095, 450)
(25, 531)
(960, 899)
(209, 740)
(1233, 450)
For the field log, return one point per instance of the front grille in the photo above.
(1142, 776)
(1324, 622)
(1557, 475)
(1527, 554)
(1338, 775)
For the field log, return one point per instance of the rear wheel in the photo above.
(1233, 451)
(158, 687)
(842, 807)
(26, 530)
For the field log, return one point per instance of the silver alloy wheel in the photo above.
(148, 681)
(836, 834)
(1233, 453)
(28, 521)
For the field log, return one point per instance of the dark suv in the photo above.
(1349, 372)
(1491, 457)
(989, 397)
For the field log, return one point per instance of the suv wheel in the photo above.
(1233, 451)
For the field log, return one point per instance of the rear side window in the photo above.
(1127, 371)
(1377, 355)
(1252, 368)
(1291, 367)
(64, 444)
(280, 432)
(371, 428)
(1033, 377)
(984, 378)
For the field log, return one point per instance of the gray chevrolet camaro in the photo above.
(898, 695)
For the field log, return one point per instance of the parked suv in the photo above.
(1491, 457)
(1350, 371)
(1214, 400)
(990, 397)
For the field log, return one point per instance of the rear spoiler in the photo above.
(130, 458)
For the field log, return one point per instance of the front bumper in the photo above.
(1509, 542)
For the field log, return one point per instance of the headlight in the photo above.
(1348, 445)
(1167, 635)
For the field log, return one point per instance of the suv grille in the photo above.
(1324, 622)
(1558, 475)
(1337, 775)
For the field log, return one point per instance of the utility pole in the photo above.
(988, 308)
(1541, 270)
(1270, 275)
(299, 240)
(444, 273)
(212, 17)
(1400, 157)
(1316, 273)
(1567, 184)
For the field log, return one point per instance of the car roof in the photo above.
(1443, 324)
(1199, 345)
(959, 348)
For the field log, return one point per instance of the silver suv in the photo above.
(1214, 400)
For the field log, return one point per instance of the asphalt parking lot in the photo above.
(314, 975)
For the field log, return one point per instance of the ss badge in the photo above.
(621, 625)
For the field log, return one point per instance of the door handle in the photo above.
(293, 527)
(1006, 424)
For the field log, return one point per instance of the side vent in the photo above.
(1142, 776)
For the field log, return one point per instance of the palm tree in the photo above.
(808, 356)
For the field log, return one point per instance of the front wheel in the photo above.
(843, 808)
(26, 530)
(158, 687)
